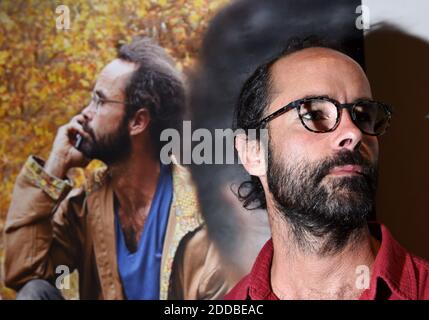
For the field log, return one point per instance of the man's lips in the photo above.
(347, 170)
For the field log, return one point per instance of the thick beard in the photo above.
(323, 214)
(110, 148)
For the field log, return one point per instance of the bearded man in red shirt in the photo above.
(316, 175)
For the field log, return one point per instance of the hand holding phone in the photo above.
(66, 150)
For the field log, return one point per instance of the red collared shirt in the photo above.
(396, 274)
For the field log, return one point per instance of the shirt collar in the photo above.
(260, 276)
(392, 265)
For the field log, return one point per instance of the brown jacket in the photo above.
(50, 224)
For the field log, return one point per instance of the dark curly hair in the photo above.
(254, 98)
(155, 84)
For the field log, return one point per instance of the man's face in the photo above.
(106, 122)
(323, 183)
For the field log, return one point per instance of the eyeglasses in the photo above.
(322, 114)
(99, 101)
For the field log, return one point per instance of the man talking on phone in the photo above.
(134, 230)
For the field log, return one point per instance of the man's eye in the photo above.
(314, 115)
(363, 116)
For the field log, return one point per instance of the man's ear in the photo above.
(252, 154)
(139, 122)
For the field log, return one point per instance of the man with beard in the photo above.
(134, 230)
(316, 176)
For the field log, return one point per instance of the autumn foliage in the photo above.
(47, 73)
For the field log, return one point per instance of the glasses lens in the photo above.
(318, 115)
(371, 117)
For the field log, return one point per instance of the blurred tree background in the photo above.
(47, 73)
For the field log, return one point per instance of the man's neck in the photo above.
(301, 274)
(134, 181)
(134, 184)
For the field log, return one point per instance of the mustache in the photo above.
(88, 130)
(343, 158)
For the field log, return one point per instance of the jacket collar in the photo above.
(185, 217)
(101, 221)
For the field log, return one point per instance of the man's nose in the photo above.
(347, 134)
(88, 112)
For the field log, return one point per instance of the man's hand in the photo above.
(64, 155)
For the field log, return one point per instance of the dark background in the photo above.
(398, 68)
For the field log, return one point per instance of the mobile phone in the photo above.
(78, 142)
